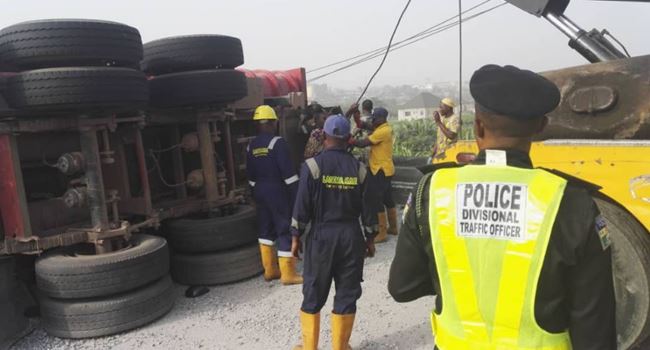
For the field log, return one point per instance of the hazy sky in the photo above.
(285, 34)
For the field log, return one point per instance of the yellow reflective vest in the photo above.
(490, 228)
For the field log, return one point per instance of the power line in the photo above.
(375, 56)
(397, 47)
(381, 49)
(390, 42)
(439, 30)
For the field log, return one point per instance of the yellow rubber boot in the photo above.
(392, 221)
(310, 325)
(288, 273)
(341, 331)
(269, 262)
(383, 227)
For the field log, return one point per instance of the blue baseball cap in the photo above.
(337, 126)
(379, 112)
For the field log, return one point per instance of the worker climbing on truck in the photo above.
(330, 197)
(274, 183)
(518, 257)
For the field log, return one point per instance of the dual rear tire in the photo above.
(217, 250)
(84, 295)
(95, 317)
(70, 43)
(78, 88)
(80, 65)
(195, 70)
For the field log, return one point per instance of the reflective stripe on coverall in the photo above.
(330, 197)
(273, 179)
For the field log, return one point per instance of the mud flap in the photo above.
(14, 297)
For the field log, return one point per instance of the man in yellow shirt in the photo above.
(380, 161)
(448, 125)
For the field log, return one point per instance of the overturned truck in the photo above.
(115, 153)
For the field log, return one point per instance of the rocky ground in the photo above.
(256, 315)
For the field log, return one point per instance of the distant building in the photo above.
(419, 107)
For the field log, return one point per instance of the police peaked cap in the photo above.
(513, 92)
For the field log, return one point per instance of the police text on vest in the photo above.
(491, 210)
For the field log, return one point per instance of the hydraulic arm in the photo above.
(591, 45)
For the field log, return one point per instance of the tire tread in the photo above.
(65, 277)
(99, 317)
(217, 268)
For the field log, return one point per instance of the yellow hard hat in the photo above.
(265, 112)
(449, 102)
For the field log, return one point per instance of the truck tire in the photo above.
(193, 52)
(88, 88)
(404, 180)
(410, 161)
(65, 274)
(202, 235)
(203, 87)
(86, 318)
(217, 268)
(631, 268)
(70, 43)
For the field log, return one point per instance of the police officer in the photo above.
(273, 179)
(517, 256)
(330, 197)
(380, 161)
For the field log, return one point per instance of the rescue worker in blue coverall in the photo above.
(330, 198)
(274, 183)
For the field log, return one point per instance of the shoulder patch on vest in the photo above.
(422, 220)
(407, 207)
(603, 232)
(574, 181)
(314, 169)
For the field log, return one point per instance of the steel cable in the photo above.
(390, 42)
(396, 47)
(414, 36)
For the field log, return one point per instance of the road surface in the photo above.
(256, 315)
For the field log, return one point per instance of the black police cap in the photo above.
(513, 92)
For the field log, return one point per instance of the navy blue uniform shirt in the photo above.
(268, 160)
(335, 196)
